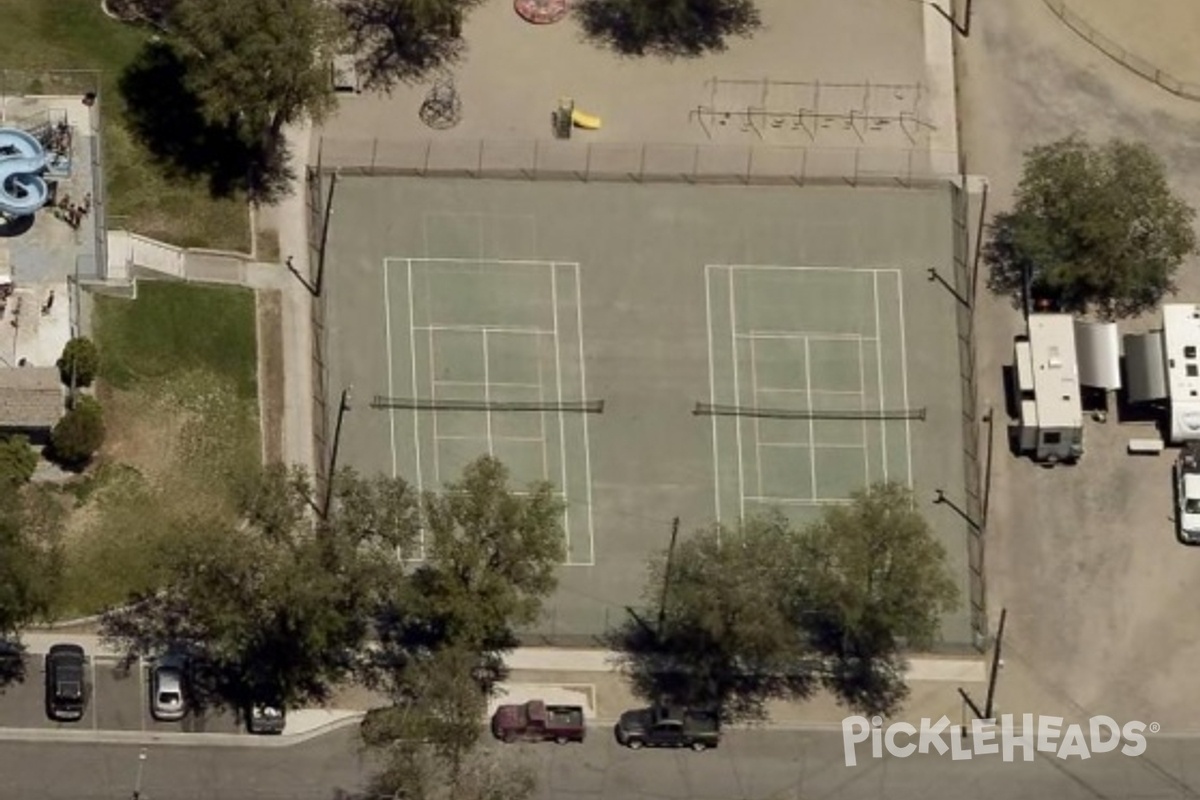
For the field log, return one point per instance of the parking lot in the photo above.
(117, 700)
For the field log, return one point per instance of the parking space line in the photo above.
(145, 690)
(587, 440)
(562, 423)
(95, 695)
(712, 387)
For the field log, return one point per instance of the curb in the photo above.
(61, 736)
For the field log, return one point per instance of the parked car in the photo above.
(168, 702)
(536, 721)
(266, 719)
(663, 726)
(1187, 493)
(66, 687)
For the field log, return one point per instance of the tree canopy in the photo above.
(78, 435)
(402, 41)
(274, 605)
(667, 27)
(1093, 228)
(79, 363)
(773, 611)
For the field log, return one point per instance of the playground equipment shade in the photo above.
(22, 158)
(580, 119)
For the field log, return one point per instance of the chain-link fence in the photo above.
(615, 161)
(965, 281)
(1174, 85)
(316, 207)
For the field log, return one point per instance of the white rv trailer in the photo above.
(1181, 363)
(1050, 428)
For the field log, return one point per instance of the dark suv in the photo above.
(65, 684)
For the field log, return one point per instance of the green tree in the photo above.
(726, 636)
(667, 27)
(1092, 229)
(274, 605)
(17, 462)
(873, 582)
(769, 611)
(259, 65)
(79, 434)
(404, 40)
(79, 363)
(490, 558)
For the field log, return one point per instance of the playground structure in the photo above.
(767, 107)
(22, 160)
(567, 116)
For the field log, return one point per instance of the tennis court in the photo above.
(479, 355)
(598, 335)
(809, 396)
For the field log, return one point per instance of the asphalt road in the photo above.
(753, 765)
(118, 700)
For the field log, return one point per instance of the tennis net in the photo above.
(430, 404)
(717, 410)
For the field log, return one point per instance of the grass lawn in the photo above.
(179, 389)
(75, 34)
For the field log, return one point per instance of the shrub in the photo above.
(17, 461)
(79, 363)
(79, 434)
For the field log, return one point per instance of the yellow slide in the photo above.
(589, 122)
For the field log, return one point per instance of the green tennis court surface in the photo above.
(468, 314)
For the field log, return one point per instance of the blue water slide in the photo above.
(22, 159)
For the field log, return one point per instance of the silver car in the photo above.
(167, 701)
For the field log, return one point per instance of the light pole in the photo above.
(343, 407)
(137, 784)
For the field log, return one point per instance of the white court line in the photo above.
(387, 334)
(456, 438)
(412, 340)
(784, 268)
(815, 335)
(737, 388)
(525, 439)
(712, 387)
(812, 424)
(433, 414)
(831, 446)
(757, 426)
(542, 416)
(587, 446)
(493, 384)
(499, 261)
(803, 501)
(562, 424)
(526, 329)
(487, 394)
(845, 392)
(862, 406)
(904, 376)
(879, 366)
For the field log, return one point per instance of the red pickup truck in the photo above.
(537, 722)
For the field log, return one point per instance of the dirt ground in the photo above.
(1084, 558)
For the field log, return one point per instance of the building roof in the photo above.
(30, 397)
(1055, 370)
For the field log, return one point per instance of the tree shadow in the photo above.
(685, 666)
(166, 116)
(12, 664)
(403, 42)
(671, 29)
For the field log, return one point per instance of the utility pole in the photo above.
(662, 605)
(343, 407)
(989, 701)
